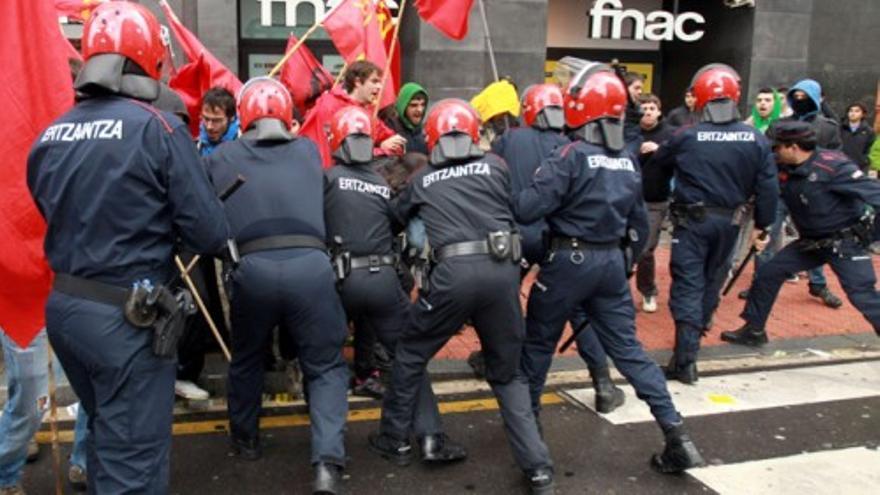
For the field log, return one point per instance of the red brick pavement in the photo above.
(796, 314)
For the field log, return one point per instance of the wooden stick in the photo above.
(53, 424)
(390, 57)
(198, 299)
(341, 73)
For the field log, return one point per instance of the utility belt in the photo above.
(344, 263)
(281, 242)
(501, 245)
(861, 233)
(144, 306)
(577, 247)
(683, 214)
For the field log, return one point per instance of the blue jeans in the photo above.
(80, 430)
(27, 376)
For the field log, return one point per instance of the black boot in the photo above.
(328, 479)
(684, 372)
(608, 396)
(541, 481)
(680, 453)
(397, 451)
(747, 334)
(827, 297)
(440, 448)
(244, 446)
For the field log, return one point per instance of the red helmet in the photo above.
(715, 82)
(347, 121)
(448, 116)
(595, 92)
(126, 29)
(261, 98)
(537, 98)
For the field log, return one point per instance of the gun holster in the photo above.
(504, 245)
(341, 265)
(163, 311)
(685, 214)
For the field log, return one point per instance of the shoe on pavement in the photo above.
(680, 453)
(397, 451)
(748, 335)
(541, 481)
(33, 451)
(743, 294)
(77, 478)
(328, 479)
(439, 448)
(370, 386)
(12, 490)
(608, 396)
(247, 448)
(189, 390)
(649, 304)
(685, 373)
(825, 294)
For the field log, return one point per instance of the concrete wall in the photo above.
(461, 68)
(780, 48)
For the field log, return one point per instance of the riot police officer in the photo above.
(590, 194)
(359, 220)
(284, 277)
(463, 198)
(718, 165)
(523, 149)
(118, 181)
(832, 204)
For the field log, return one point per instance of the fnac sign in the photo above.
(654, 26)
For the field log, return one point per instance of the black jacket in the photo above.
(857, 144)
(656, 181)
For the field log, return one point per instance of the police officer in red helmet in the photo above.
(718, 165)
(463, 198)
(284, 277)
(118, 181)
(589, 192)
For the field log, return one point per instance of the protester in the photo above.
(411, 106)
(766, 110)
(498, 107)
(686, 114)
(857, 136)
(219, 122)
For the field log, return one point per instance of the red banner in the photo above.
(35, 88)
(304, 77)
(77, 10)
(450, 17)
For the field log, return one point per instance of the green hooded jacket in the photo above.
(407, 92)
(763, 124)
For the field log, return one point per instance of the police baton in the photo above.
(751, 254)
(565, 345)
(184, 275)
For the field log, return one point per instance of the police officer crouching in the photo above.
(718, 165)
(357, 209)
(118, 181)
(284, 277)
(590, 193)
(832, 204)
(463, 198)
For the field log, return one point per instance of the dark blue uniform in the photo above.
(825, 196)
(523, 149)
(717, 167)
(594, 196)
(357, 210)
(462, 202)
(118, 182)
(291, 287)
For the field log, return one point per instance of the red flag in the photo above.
(77, 10)
(35, 88)
(386, 26)
(450, 17)
(202, 73)
(304, 76)
(354, 28)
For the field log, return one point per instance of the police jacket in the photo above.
(459, 201)
(284, 192)
(586, 192)
(722, 165)
(523, 149)
(118, 182)
(357, 208)
(827, 193)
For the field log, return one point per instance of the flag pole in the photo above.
(302, 40)
(390, 56)
(53, 425)
(341, 73)
(488, 40)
